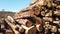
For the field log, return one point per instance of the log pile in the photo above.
(41, 17)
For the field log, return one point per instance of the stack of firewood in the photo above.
(41, 17)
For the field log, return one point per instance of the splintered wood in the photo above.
(41, 17)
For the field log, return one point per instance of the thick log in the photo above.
(12, 26)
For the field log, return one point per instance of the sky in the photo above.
(14, 5)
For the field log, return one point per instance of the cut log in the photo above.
(12, 26)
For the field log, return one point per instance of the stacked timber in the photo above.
(41, 17)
